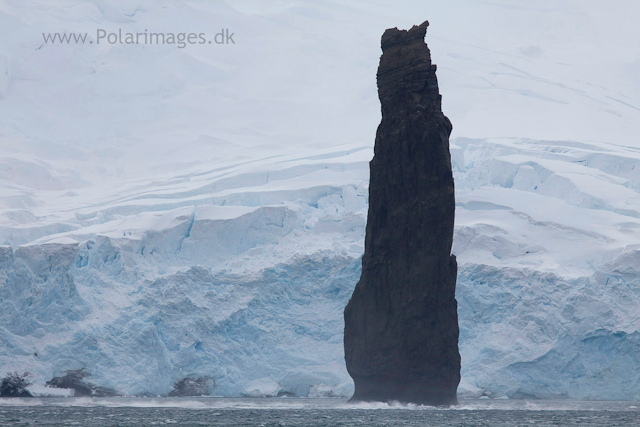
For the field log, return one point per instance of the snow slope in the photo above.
(170, 212)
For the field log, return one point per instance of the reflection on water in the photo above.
(308, 412)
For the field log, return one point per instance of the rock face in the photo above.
(75, 379)
(401, 325)
(14, 385)
(192, 387)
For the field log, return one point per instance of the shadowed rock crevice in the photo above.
(401, 325)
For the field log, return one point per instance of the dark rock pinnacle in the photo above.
(401, 325)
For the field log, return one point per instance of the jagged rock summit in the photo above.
(401, 325)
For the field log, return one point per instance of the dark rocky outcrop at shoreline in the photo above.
(75, 379)
(15, 385)
(192, 387)
(401, 325)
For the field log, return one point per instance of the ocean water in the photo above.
(309, 412)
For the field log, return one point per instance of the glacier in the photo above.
(169, 213)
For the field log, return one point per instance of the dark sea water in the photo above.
(309, 412)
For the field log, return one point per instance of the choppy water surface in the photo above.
(309, 412)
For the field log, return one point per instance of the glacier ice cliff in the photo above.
(102, 305)
(252, 296)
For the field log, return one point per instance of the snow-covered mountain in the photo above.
(170, 212)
